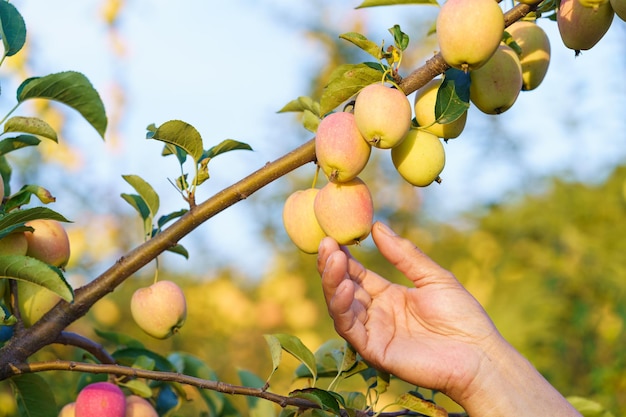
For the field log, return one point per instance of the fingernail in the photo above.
(385, 229)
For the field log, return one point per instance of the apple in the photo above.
(420, 158)
(382, 114)
(469, 32)
(68, 410)
(34, 301)
(137, 406)
(535, 57)
(101, 399)
(496, 85)
(424, 106)
(619, 7)
(14, 244)
(340, 149)
(594, 4)
(160, 309)
(345, 211)
(300, 222)
(580, 27)
(48, 242)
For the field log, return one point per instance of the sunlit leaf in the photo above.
(22, 216)
(421, 406)
(589, 408)
(310, 121)
(296, 348)
(275, 352)
(346, 81)
(138, 387)
(452, 96)
(181, 134)
(72, 89)
(12, 28)
(142, 208)
(25, 268)
(301, 104)
(324, 399)
(224, 146)
(146, 192)
(33, 395)
(32, 125)
(400, 38)
(364, 43)
(373, 3)
(23, 196)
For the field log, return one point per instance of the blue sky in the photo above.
(228, 68)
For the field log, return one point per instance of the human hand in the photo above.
(434, 335)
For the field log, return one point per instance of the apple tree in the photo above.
(362, 109)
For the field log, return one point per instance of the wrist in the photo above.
(506, 383)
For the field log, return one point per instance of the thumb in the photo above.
(408, 258)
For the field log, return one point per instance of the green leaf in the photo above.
(400, 38)
(310, 121)
(296, 348)
(33, 395)
(25, 268)
(363, 42)
(128, 356)
(32, 125)
(19, 217)
(324, 399)
(138, 387)
(257, 407)
(22, 197)
(119, 339)
(72, 89)
(421, 406)
(142, 208)
(5, 172)
(374, 3)
(181, 134)
(10, 144)
(301, 104)
(452, 96)
(12, 28)
(224, 146)
(589, 408)
(179, 250)
(346, 81)
(169, 217)
(146, 192)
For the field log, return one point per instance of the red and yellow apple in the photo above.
(159, 310)
(48, 242)
(300, 222)
(101, 399)
(137, 406)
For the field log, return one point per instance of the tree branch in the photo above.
(74, 339)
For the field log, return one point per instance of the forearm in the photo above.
(509, 385)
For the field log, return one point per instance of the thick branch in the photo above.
(76, 340)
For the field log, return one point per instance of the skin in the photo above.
(433, 334)
(345, 211)
(496, 85)
(383, 115)
(420, 158)
(300, 222)
(340, 149)
(464, 44)
(101, 399)
(159, 310)
(424, 106)
(535, 57)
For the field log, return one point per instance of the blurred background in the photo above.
(529, 216)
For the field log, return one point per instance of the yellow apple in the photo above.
(159, 310)
(535, 57)
(48, 242)
(14, 244)
(420, 158)
(34, 301)
(424, 106)
(580, 27)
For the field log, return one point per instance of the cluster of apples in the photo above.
(104, 399)
(343, 208)
(49, 243)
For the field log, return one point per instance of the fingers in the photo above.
(407, 258)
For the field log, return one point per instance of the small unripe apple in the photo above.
(382, 114)
(580, 27)
(535, 57)
(469, 32)
(159, 310)
(340, 149)
(137, 406)
(68, 410)
(496, 85)
(345, 211)
(619, 7)
(424, 106)
(420, 158)
(101, 399)
(48, 242)
(300, 222)
(14, 244)
(34, 301)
